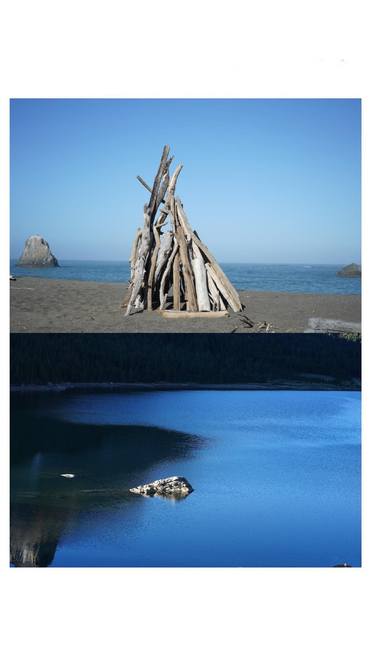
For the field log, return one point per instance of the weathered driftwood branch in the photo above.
(192, 305)
(165, 248)
(183, 314)
(173, 183)
(133, 253)
(200, 276)
(154, 257)
(163, 292)
(155, 189)
(217, 301)
(143, 182)
(135, 300)
(176, 282)
(132, 258)
(219, 284)
(163, 188)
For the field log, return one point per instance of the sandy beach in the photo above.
(66, 306)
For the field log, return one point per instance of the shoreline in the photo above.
(124, 285)
(287, 385)
(40, 305)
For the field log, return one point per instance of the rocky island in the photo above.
(172, 486)
(352, 270)
(37, 253)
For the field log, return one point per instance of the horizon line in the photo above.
(222, 261)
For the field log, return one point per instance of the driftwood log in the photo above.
(171, 268)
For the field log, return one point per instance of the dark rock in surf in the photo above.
(352, 270)
(37, 253)
(173, 487)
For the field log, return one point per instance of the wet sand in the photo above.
(69, 306)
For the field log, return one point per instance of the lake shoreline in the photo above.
(314, 384)
(41, 305)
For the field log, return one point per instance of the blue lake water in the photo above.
(295, 278)
(276, 478)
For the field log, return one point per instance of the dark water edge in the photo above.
(305, 384)
(276, 478)
(291, 278)
(204, 359)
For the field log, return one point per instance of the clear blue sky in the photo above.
(263, 180)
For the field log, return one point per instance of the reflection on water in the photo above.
(35, 533)
(276, 478)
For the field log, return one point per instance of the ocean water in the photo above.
(276, 478)
(295, 278)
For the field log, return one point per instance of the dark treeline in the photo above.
(203, 358)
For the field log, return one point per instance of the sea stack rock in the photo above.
(352, 270)
(37, 253)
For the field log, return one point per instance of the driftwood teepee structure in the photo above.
(171, 269)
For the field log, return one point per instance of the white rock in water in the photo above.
(37, 253)
(173, 486)
(68, 476)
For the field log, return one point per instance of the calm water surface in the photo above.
(295, 278)
(276, 477)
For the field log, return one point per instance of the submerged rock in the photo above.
(37, 253)
(173, 486)
(352, 270)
